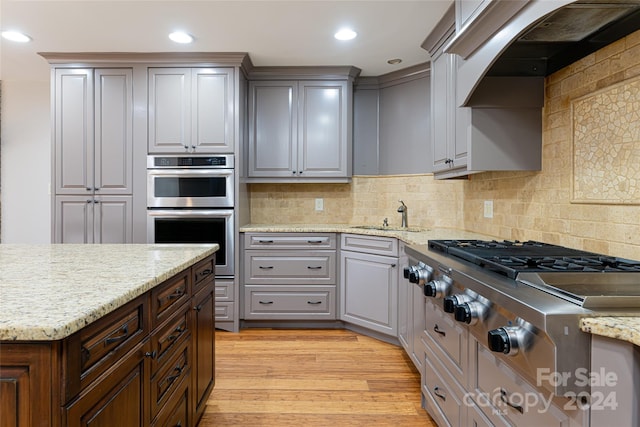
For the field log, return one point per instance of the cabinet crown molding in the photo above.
(304, 73)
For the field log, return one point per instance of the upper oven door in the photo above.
(190, 188)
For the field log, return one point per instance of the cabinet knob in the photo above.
(293, 172)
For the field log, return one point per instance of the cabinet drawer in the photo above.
(304, 241)
(224, 311)
(168, 297)
(439, 390)
(202, 271)
(284, 267)
(101, 344)
(510, 395)
(169, 377)
(369, 244)
(224, 290)
(169, 335)
(176, 412)
(447, 338)
(263, 302)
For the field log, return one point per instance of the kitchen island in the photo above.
(108, 334)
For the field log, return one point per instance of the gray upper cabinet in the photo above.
(300, 130)
(191, 110)
(93, 161)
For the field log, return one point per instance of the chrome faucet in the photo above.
(403, 210)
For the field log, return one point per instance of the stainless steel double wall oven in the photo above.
(190, 199)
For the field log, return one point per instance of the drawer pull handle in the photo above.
(176, 294)
(204, 273)
(265, 242)
(266, 267)
(310, 267)
(171, 378)
(314, 242)
(505, 399)
(437, 391)
(265, 302)
(438, 331)
(151, 354)
(314, 302)
(125, 334)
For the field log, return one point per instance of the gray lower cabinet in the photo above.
(369, 282)
(300, 130)
(289, 276)
(93, 155)
(411, 314)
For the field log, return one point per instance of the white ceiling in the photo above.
(293, 32)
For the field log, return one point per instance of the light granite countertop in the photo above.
(48, 292)
(621, 328)
(418, 237)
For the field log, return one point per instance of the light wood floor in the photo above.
(312, 378)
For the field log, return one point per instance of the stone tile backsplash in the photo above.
(526, 205)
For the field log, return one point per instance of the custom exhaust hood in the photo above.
(567, 35)
(537, 38)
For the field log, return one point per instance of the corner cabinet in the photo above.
(369, 282)
(93, 155)
(191, 110)
(300, 130)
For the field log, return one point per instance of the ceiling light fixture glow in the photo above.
(15, 36)
(345, 34)
(394, 61)
(181, 37)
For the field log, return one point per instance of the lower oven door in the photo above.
(195, 226)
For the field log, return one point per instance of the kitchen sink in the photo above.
(383, 228)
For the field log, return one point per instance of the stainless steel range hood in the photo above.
(567, 35)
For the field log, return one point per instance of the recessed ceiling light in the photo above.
(345, 34)
(16, 36)
(181, 37)
(394, 61)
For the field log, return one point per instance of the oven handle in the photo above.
(181, 213)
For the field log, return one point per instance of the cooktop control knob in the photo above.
(420, 274)
(438, 287)
(470, 312)
(452, 301)
(507, 339)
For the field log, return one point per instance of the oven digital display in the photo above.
(172, 161)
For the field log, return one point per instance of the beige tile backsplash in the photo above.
(526, 205)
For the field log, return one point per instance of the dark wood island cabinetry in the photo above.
(149, 362)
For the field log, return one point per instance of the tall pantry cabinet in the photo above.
(93, 155)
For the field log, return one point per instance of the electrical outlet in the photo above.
(488, 208)
(319, 204)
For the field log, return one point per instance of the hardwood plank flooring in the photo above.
(273, 377)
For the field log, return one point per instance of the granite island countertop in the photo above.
(48, 292)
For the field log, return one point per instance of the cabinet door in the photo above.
(119, 398)
(113, 219)
(369, 291)
(212, 110)
(169, 110)
(73, 219)
(323, 137)
(203, 347)
(113, 131)
(73, 133)
(441, 121)
(273, 115)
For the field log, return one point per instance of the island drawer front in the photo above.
(168, 297)
(205, 269)
(304, 241)
(176, 412)
(303, 268)
(282, 302)
(169, 335)
(369, 244)
(169, 376)
(102, 343)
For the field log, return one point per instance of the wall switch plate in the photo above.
(319, 204)
(488, 208)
